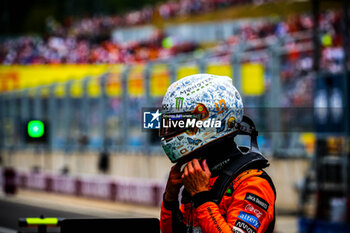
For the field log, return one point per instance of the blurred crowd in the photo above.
(74, 50)
(296, 63)
(87, 40)
(97, 25)
(77, 49)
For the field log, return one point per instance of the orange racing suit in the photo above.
(248, 206)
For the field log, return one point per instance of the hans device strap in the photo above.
(243, 159)
(243, 162)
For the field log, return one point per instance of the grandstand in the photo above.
(90, 79)
(293, 37)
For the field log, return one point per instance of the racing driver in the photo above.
(225, 188)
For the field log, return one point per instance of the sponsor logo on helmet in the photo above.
(179, 102)
(257, 200)
(165, 106)
(196, 86)
(252, 220)
(221, 106)
(245, 226)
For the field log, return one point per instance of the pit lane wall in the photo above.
(136, 191)
(133, 178)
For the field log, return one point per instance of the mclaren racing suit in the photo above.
(248, 206)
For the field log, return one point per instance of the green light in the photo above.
(42, 221)
(167, 43)
(35, 129)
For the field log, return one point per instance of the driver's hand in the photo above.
(174, 183)
(195, 177)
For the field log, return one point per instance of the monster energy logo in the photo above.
(179, 102)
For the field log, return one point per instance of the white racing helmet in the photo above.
(198, 110)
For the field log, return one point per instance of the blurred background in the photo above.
(75, 75)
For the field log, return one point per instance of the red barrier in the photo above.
(36, 181)
(138, 191)
(63, 184)
(96, 188)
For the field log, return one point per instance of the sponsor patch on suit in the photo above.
(257, 201)
(238, 230)
(254, 210)
(248, 218)
(244, 226)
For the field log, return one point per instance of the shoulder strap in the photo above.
(238, 165)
